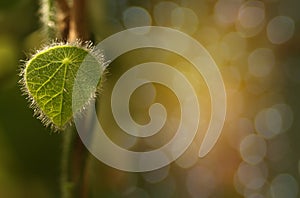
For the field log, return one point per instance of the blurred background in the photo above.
(254, 43)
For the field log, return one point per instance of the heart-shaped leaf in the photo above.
(49, 78)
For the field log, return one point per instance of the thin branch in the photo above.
(63, 18)
(78, 28)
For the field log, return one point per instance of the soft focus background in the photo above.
(254, 43)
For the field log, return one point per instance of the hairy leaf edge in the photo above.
(37, 112)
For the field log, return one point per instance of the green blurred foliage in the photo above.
(29, 153)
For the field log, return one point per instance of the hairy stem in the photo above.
(47, 16)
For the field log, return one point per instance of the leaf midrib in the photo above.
(62, 92)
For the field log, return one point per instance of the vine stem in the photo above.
(67, 185)
(71, 25)
(73, 163)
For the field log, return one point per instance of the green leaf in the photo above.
(49, 81)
